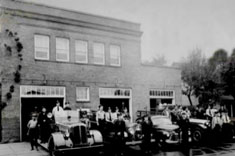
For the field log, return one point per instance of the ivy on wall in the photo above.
(13, 48)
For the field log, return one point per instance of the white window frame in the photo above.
(88, 94)
(95, 53)
(78, 51)
(112, 49)
(47, 49)
(66, 51)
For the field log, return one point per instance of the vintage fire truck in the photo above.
(72, 135)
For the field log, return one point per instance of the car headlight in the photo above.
(67, 134)
(131, 131)
(208, 124)
(166, 133)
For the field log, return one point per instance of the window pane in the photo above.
(115, 55)
(41, 47)
(62, 49)
(98, 53)
(82, 94)
(81, 51)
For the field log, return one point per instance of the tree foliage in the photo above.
(193, 73)
(202, 77)
(228, 75)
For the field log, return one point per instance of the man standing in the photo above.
(119, 127)
(147, 127)
(184, 126)
(33, 131)
(100, 118)
(43, 125)
(57, 111)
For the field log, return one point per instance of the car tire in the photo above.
(51, 147)
(197, 135)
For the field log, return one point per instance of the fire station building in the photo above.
(81, 58)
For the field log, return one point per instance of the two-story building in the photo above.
(81, 58)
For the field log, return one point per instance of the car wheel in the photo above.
(51, 147)
(197, 135)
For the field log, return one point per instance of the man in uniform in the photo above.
(100, 119)
(57, 111)
(43, 125)
(119, 128)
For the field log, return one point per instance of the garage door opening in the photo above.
(113, 103)
(38, 96)
(116, 97)
(28, 106)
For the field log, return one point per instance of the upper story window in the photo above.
(62, 49)
(115, 51)
(41, 47)
(82, 94)
(81, 51)
(99, 55)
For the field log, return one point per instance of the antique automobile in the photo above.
(164, 131)
(73, 135)
(198, 129)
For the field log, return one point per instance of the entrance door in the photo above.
(28, 105)
(113, 103)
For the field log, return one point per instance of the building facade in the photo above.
(81, 58)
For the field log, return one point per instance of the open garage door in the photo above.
(116, 97)
(28, 106)
(38, 96)
(113, 103)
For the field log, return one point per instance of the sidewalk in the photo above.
(20, 149)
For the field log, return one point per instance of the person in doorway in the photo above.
(115, 113)
(35, 111)
(119, 128)
(51, 123)
(108, 115)
(43, 125)
(33, 131)
(67, 106)
(57, 111)
(100, 118)
(147, 127)
(126, 115)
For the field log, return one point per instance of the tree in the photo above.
(192, 74)
(228, 75)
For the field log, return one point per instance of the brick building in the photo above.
(81, 58)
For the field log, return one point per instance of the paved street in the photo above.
(20, 149)
(23, 149)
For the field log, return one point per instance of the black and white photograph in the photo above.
(117, 77)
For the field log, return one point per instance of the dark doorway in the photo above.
(113, 103)
(28, 105)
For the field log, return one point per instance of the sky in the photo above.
(171, 28)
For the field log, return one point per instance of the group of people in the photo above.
(219, 122)
(113, 121)
(106, 119)
(218, 118)
(42, 123)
